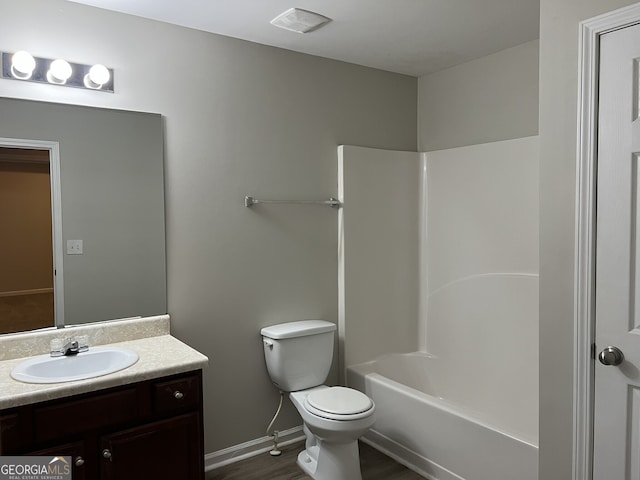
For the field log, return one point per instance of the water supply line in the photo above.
(275, 451)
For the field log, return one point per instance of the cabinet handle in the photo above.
(178, 395)
(79, 461)
(106, 453)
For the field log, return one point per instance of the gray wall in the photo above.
(240, 119)
(558, 126)
(486, 100)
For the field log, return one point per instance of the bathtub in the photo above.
(433, 422)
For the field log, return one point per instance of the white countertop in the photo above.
(159, 356)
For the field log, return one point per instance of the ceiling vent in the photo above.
(301, 21)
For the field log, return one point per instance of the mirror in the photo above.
(111, 198)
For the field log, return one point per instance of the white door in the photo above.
(617, 387)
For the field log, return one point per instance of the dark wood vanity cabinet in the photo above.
(150, 429)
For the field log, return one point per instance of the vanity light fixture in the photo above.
(23, 66)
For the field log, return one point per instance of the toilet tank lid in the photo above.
(297, 329)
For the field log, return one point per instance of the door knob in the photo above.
(611, 356)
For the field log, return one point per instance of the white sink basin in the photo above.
(95, 362)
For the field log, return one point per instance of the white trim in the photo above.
(584, 283)
(56, 214)
(251, 448)
(33, 291)
(342, 326)
(423, 278)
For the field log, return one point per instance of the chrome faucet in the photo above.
(69, 346)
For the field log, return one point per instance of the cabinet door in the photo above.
(15, 432)
(169, 449)
(76, 450)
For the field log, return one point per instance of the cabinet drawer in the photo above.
(177, 394)
(81, 415)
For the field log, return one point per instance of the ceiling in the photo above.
(413, 37)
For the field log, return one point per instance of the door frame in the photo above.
(56, 215)
(586, 181)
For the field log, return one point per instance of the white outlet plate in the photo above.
(74, 247)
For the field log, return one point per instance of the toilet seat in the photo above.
(339, 403)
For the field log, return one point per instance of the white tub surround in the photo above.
(378, 272)
(479, 297)
(159, 353)
(439, 254)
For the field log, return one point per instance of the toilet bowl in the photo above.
(334, 418)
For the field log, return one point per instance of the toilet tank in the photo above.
(298, 354)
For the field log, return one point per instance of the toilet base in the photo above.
(331, 461)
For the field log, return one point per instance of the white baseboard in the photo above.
(251, 448)
(410, 459)
(402, 455)
(35, 291)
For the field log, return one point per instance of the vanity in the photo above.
(144, 421)
(108, 253)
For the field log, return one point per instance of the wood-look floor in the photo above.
(374, 465)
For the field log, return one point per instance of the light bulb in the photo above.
(22, 65)
(59, 72)
(98, 75)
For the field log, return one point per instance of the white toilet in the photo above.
(299, 356)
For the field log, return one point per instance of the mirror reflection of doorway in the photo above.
(26, 246)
